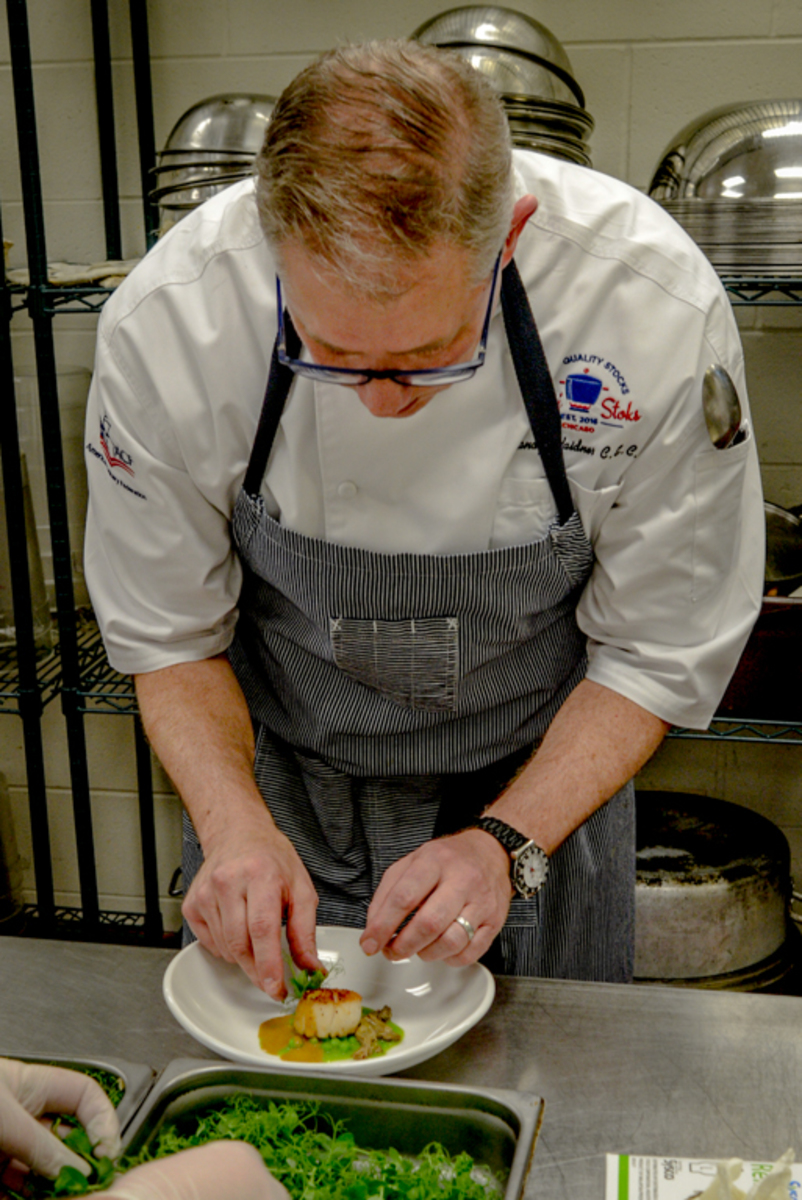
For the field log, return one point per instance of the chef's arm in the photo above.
(197, 722)
(596, 743)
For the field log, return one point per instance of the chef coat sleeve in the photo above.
(678, 578)
(160, 566)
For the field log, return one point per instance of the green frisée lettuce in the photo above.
(317, 1158)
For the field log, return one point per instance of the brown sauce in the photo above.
(277, 1036)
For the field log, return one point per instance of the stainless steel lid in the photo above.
(508, 71)
(232, 121)
(737, 152)
(212, 145)
(492, 25)
(783, 549)
(733, 180)
(529, 68)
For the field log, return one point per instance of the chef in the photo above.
(404, 516)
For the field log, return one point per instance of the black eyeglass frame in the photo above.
(354, 377)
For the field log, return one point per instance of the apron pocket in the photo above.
(411, 662)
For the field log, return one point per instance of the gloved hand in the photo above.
(216, 1171)
(30, 1091)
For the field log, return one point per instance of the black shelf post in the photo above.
(52, 445)
(105, 126)
(29, 695)
(140, 44)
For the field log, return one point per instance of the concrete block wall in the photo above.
(647, 68)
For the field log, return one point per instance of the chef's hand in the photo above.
(464, 875)
(250, 877)
(30, 1094)
(216, 1171)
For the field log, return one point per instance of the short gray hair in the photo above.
(376, 152)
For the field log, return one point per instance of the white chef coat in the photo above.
(630, 314)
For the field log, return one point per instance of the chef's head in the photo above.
(385, 190)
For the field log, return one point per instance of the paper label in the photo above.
(642, 1177)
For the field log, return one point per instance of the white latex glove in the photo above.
(216, 1171)
(29, 1091)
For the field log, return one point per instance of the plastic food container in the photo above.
(137, 1078)
(497, 1128)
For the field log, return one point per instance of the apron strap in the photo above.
(279, 382)
(531, 369)
(537, 389)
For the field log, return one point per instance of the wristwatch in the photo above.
(529, 865)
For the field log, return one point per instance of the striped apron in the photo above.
(394, 695)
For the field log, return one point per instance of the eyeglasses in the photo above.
(353, 376)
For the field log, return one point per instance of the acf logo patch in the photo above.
(593, 395)
(115, 458)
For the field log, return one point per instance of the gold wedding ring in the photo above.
(466, 925)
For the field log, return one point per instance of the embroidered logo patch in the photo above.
(593, 395)
(115, 455)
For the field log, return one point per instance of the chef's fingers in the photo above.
(469, 951)
(440, 879)
(225, 934)
(269, 898)
(238, 898)
(23, 1137)
(453, 946)
(435, 933)
(456, 936)
(223, 902)
(211, 1172)
(243, 924)
(216, 909)
(13, 1175)
(98, 1117)
(302, 929)
(201, 912)
(41, 1088)
(263, 928)
(404, 887)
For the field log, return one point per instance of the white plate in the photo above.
(434, 1004)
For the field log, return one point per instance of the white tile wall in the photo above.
(647, 68)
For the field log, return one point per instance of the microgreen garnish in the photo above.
(306, 981)
(317, 1158)
(303, 981)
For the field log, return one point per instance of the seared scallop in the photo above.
(328, 1012)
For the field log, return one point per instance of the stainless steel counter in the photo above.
(639, 1070)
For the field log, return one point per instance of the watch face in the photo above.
(530, 870)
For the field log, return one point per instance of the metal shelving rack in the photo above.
(770, 290)
(773, 291)
(76, 670)
(736, 729)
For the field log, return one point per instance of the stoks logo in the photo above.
(593, 396)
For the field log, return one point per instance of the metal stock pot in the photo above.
(712, 895)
